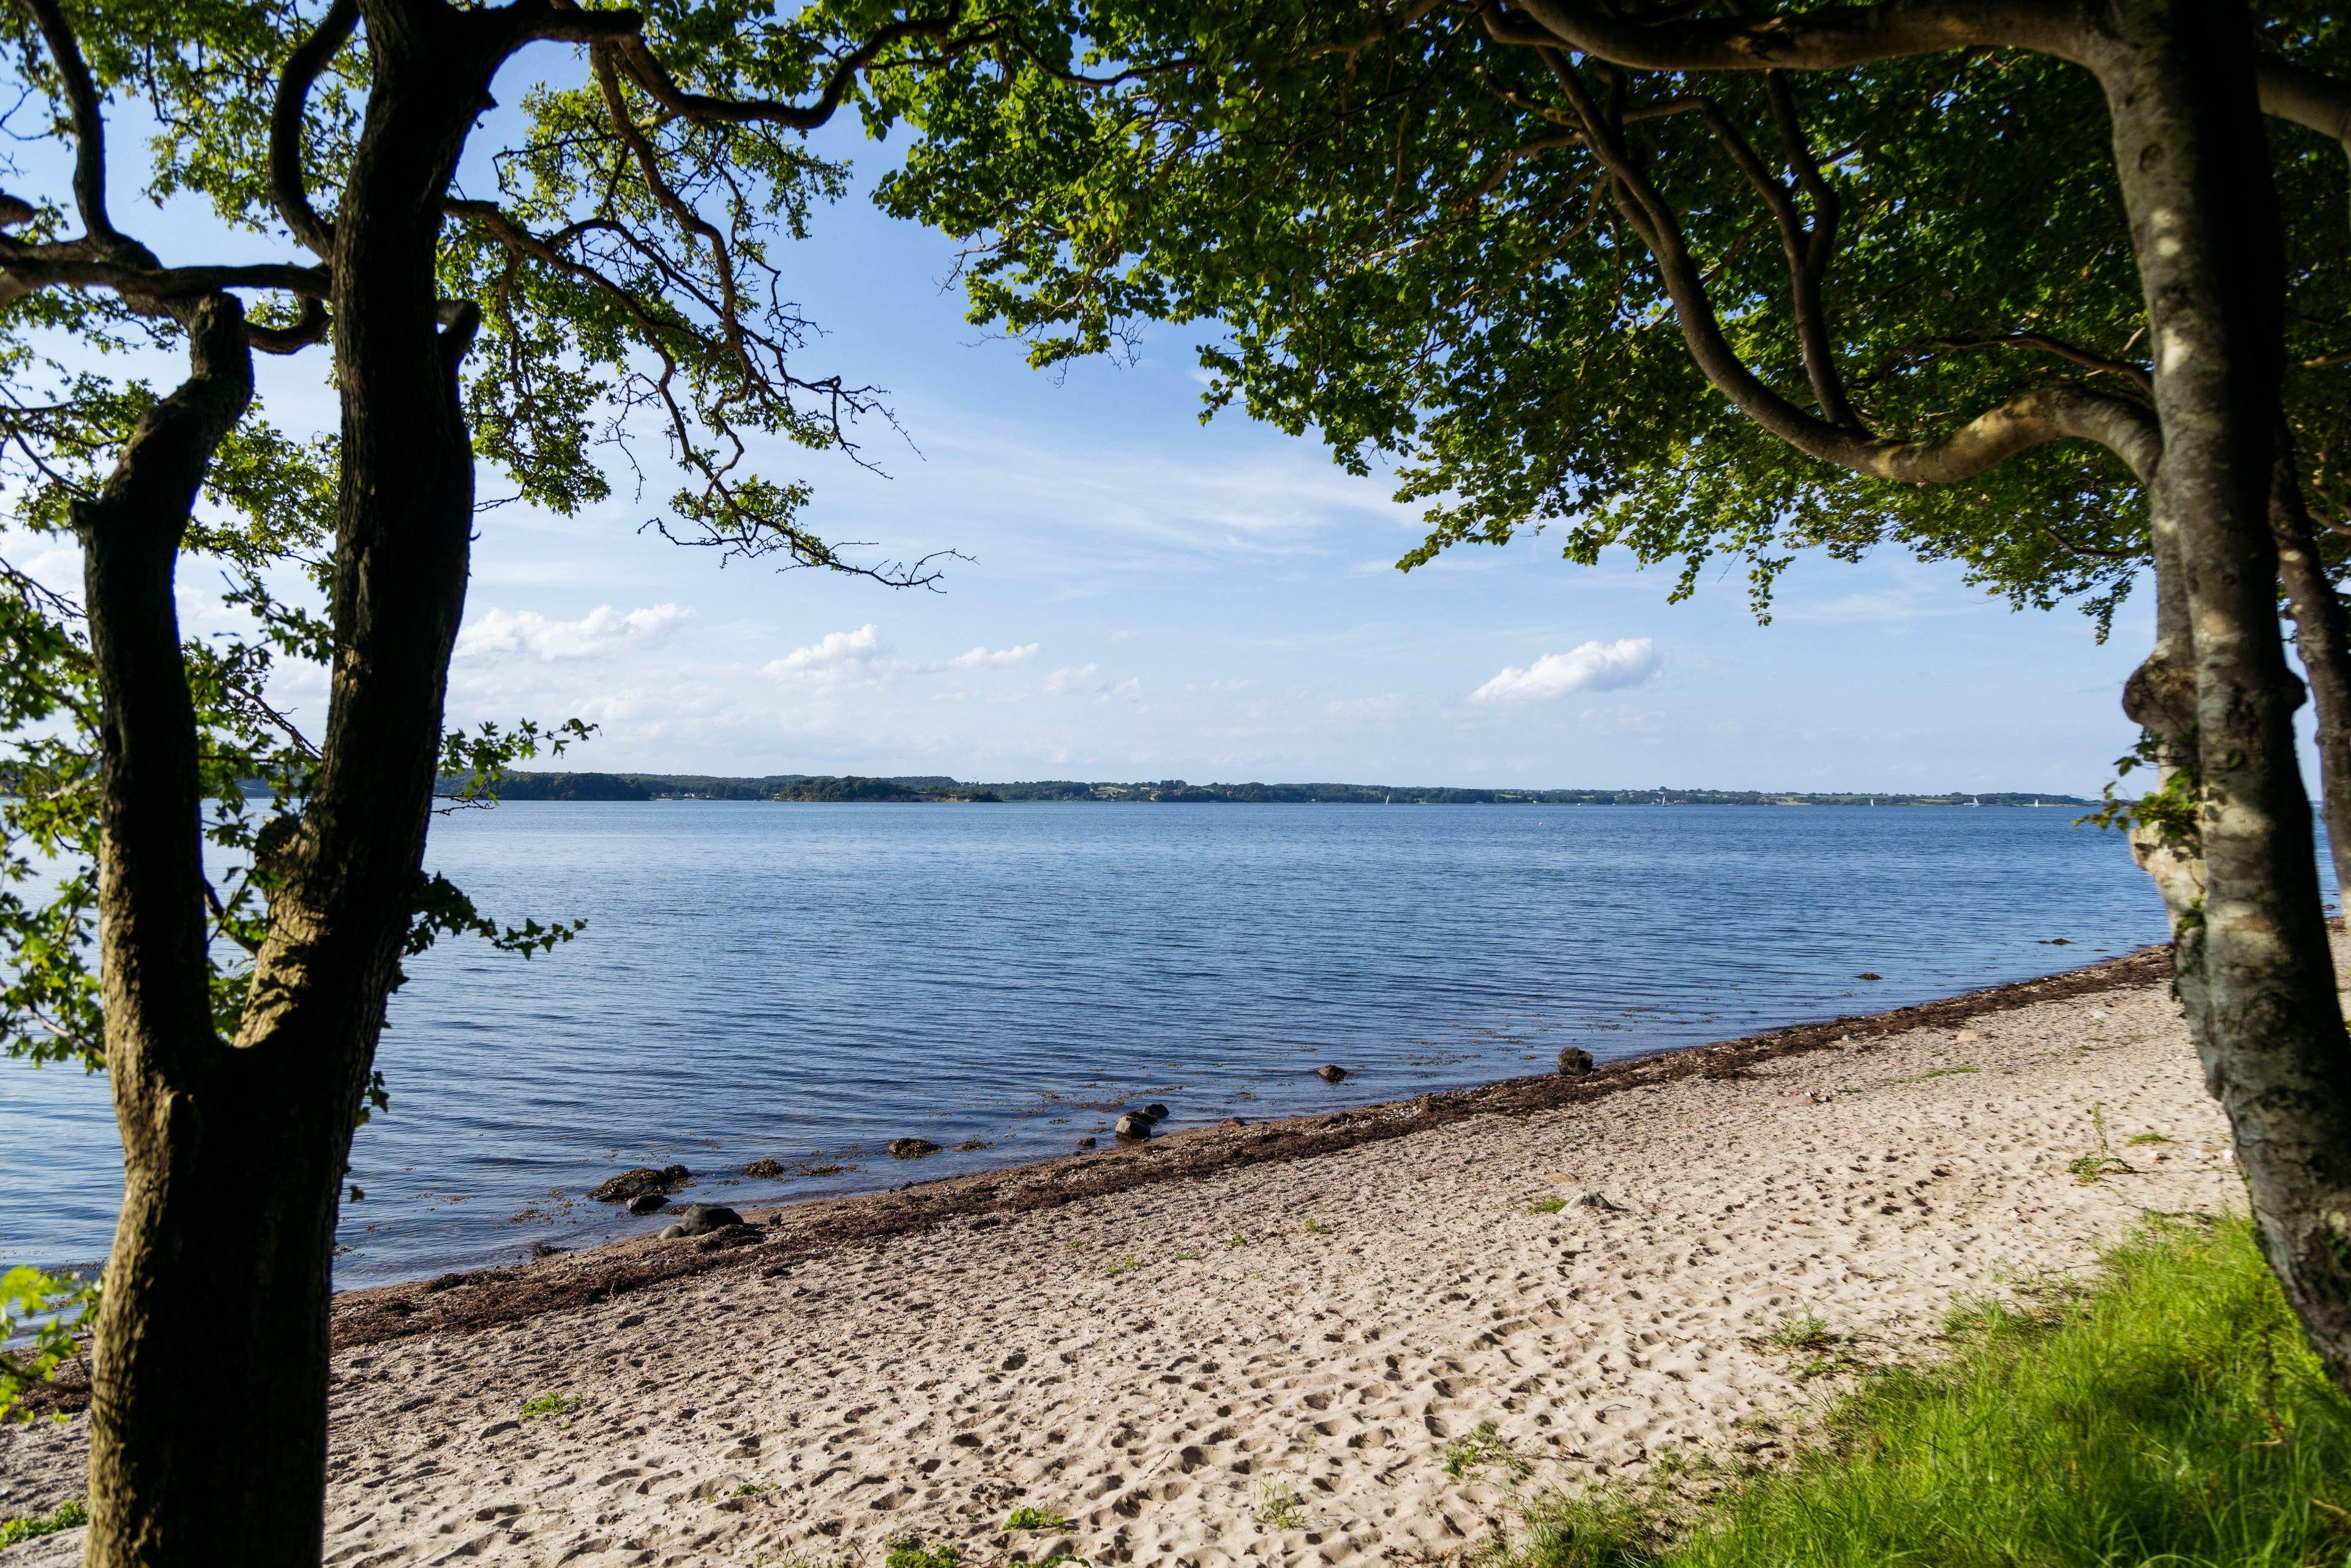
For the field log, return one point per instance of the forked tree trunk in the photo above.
(208, 1444)
(2194, 175)
(2322, 635)
(228, 1206)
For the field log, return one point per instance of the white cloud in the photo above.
(1000, 659)
(836, 655)
(497, 633)
(1593, 666)
(1067, 678)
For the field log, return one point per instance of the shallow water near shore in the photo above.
(806, 982)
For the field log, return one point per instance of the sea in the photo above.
(805, 983)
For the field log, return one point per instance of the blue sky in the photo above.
(1148, 598)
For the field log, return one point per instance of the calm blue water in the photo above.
(806, 982)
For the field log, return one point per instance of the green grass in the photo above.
(910, 1553)
(1036, 1519)
(2137, 1139)
(1482, 1450)
(2168, 1414)
(1278, 1505)
(550, 1405)
(67, 1516)
(1547, 1206)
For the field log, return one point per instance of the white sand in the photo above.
(929, 1385)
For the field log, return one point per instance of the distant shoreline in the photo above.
(940, 790)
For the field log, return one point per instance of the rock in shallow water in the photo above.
(635, 1184)
(1134, 1124)
(1574, 1061)
(912, 1148)
(648, 1202)
(1331, 1074)
(763, 1170)
(1155, 1111)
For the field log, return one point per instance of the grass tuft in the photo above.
(908, 1552)
(1278, 1506)
(1481, 1451)
(1036, 1519)
(66, 1516)
(2168, 1414)
(1547, 1206)
(550, 1405)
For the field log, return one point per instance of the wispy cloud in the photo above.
(982, 658)
(1593, 666)
(500, 634)
(1069, 678)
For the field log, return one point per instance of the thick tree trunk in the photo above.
(2322, 635)
(209, 1445)
(2189, 148)
(209, 1373)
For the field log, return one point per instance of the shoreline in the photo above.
(480, 1299)
(1325, 1342)
(492, 1298)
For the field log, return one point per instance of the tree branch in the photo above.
(287, 185)
(2137, 375)
(1827, 39)
(654, 77)
(89, 130)
(2127, 428)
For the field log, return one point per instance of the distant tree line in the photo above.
(818, 787)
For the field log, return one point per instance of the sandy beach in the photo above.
(1263, 1359)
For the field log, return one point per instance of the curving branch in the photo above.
(1827, 39)
(650, 74)
(308, 328)
(303, 67)
(88, 128)
(2125, 427)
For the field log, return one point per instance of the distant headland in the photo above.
(940, 788)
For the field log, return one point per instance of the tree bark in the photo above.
(2322, 635)
(198, 1331)
(2195, 173)
(210, 1404)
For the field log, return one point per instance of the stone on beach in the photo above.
(1134, 1124)
(1574, 1061)
(701, 1220)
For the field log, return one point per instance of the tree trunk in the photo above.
(2322, 635)
(209, 1436)
(2195, 173)
(2160, 697)
(208, 1380)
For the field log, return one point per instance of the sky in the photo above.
(1144, 597)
